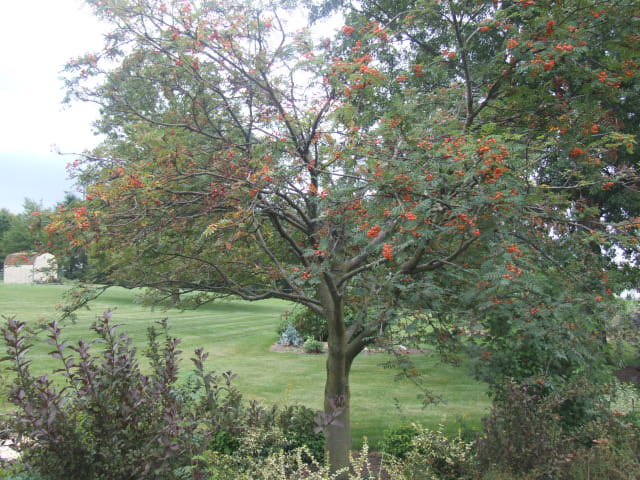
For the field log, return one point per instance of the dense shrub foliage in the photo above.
(434, 456)
(312, 346)
(397, 440)
(110, 421)
(294, 465)
(575, 432)
(528, 435)
(429, 454)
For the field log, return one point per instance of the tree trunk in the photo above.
(336, 391)
(337, 396)
(175, 296)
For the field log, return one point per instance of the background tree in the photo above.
(6, 219)
(21, 232)
(244, 159)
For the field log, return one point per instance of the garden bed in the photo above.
(287, 349)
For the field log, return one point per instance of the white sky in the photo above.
(36, 39)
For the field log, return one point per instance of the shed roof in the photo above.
(20, 258)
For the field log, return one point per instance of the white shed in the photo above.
(24, 267)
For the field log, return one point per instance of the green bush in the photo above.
(312, 346)
(21, 476)
(522, 432)
(434, 456)
(625, 398)
(297, 426)
(290, 337)
(397, 440)
(526, 435)
(306, 322)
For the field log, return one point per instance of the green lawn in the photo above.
(238, 334)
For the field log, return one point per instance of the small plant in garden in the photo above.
(290, 337)
(312, 346)
(311, 325)
(434, 456)
(397, 440)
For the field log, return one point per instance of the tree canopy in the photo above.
(468, 165)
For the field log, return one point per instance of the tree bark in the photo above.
(175, 296)
(336, 392)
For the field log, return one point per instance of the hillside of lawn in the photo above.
(238, 335)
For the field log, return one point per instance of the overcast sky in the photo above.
(36, 39)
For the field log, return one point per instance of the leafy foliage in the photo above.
(434, 456)
(397, 440)
(111, 421)
(296, 424)
(107, 405)
(283, 465)
(19, 233)
(312, 346)
(533, 435)
(290, 337)
(26, 232)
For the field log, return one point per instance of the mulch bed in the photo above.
(629, 374)
(284, 349)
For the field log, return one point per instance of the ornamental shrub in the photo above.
(297, 425)
(290, 337)
(109, 420)
(535, 435)
(397, 440)
(283, 465)
(312, 346)
(434, 456)
(523, 431)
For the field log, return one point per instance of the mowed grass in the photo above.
(238, 335)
